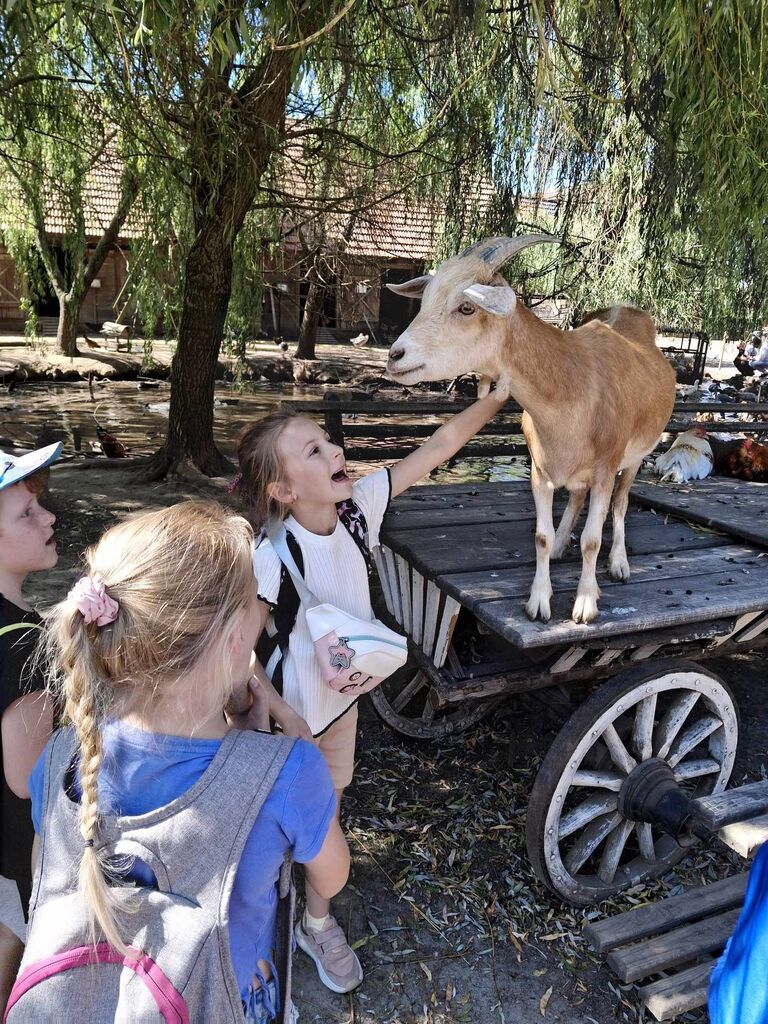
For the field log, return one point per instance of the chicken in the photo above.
(689, 458)
(359, 340)
(110, 445)
(743, 458)
(695, 455)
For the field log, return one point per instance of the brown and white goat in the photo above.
(596, 399)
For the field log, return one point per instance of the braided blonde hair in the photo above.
(179, 575)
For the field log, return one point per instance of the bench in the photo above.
(671, 946)
(112, 329)
(345, 421)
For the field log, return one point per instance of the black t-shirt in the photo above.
(16, 678)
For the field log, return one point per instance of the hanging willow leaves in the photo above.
(645, 123)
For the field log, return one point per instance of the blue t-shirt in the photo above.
(738, 993)
(142, 771)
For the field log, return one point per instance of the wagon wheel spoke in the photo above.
(620, 756)
(589, 840)
(409, 692)
(691, 738)
(429, 711)
(614, 847)
(591, 808)
(672, 722)
(695, 769)
(645, 841)
(642, 731)
(598, 780)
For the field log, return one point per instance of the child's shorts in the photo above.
(337, 745)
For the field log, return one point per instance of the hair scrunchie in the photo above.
(93, 602)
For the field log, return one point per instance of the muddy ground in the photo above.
(448, 920)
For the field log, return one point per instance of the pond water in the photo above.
(43, 412)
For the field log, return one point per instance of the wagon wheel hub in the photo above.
(651, 793)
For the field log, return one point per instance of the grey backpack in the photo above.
(193, 847)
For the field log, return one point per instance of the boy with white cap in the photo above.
(26, 545)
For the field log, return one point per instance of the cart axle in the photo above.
(651, 793)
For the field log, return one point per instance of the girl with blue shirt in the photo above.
(148, 650)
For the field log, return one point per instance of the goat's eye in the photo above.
(466, 309)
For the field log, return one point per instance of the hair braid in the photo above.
(101, 899)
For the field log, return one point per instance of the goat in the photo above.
(595, 399)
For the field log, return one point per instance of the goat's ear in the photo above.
(411, 289)
(497, 299)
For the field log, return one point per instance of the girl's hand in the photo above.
(249, 708)
(293, 724)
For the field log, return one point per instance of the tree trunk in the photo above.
(70, 305)
(313, 307)
(207, 287)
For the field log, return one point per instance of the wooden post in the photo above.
(333, 420)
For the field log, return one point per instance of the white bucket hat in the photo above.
(17, 467)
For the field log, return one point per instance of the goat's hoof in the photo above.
(538, 607)
(558, 551)
(618, 569)
(584, 608)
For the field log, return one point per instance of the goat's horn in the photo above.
(495, 251)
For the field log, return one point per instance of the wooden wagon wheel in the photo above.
(405, 702)
(579, 842)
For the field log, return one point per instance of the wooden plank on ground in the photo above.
(733, 805)
(745, 837)
(666, 914)
(738, 507)
(633, 608)
(669, 997)
(679, 946)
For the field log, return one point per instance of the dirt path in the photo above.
(442, 904)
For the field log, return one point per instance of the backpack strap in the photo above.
(13, 626)
(283, 617)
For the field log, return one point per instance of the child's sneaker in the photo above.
(336, 963)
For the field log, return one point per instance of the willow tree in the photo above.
(57, 140)
(651, 125)
(215, 91)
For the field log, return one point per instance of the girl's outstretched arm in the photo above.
(444, 443)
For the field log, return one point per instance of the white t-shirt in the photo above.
(335, 572)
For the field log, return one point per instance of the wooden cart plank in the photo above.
(453, 549)
(741, 510)
(663, 952)
(745, 837)
(667, 914)
(668, 998)
(632, 608)
(473, 587)
(733, 805)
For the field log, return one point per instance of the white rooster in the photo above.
(689, 458)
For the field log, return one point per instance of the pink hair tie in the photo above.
(93, 602)
(233, 483)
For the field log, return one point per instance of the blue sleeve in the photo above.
(310, 803)
(738, 993)
(37, 790)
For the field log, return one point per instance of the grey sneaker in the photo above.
(336, 963)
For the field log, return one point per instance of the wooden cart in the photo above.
(456, 565)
